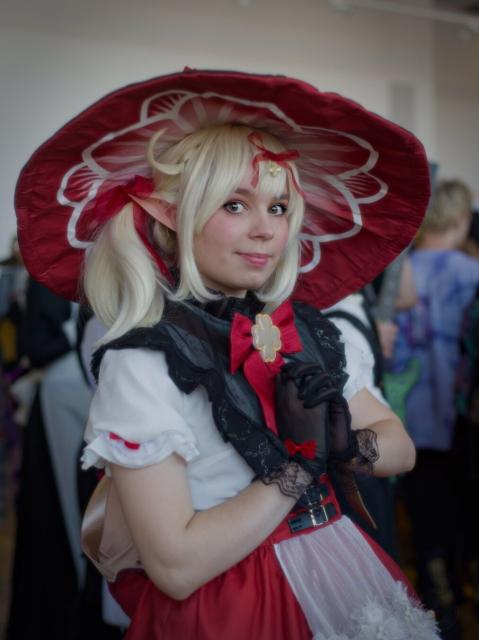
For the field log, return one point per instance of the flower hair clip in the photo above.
(277, 161)
(274, 168)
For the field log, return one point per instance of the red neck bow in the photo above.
(258, 347)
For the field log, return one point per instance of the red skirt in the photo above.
(251, 601)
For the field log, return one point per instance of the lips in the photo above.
(255, 259)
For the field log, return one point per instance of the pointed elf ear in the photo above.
(158, 209)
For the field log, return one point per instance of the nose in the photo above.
(262, 225)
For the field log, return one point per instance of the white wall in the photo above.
(57, 56)
(457, 95)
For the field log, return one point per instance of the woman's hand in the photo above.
(311, 409)
(314, 417)
(303, 393)
(364, 433)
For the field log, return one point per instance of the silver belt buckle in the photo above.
(313, 517)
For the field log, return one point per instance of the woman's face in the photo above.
(240, 246)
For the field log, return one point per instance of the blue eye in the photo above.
(234, 206)
(278, 209)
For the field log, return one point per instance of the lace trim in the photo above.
(400, 618)
(360, 454)
(291, 479)
(368, 453)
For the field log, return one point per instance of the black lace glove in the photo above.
(354, 451)
(291, 479)
(302, 405)
(318, 411)
(351, 453)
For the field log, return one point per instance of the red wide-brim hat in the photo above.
(365, 180)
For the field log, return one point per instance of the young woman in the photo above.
(226, 407)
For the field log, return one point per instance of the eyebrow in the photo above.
(249, 192)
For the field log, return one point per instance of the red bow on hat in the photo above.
(138, 193)
(279, 158)
(260, 374)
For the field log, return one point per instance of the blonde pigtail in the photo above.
(121, 281)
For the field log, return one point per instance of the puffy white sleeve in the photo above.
(359, 362)
(360, 369)
(137, 413)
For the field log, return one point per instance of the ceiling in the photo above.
(462, 13)
(468, 6)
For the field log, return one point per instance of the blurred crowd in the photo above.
(418, 324)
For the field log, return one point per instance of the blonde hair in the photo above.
(451, 202)
(121, 281)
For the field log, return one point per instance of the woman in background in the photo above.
(429, 333)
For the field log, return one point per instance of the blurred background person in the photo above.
(429, 333)
(466, 439)
(16, 385)
(47, 544)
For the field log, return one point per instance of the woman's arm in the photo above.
(396, 449)
(406, 296)
(181, 550)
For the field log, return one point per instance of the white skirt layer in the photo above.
(359, 599)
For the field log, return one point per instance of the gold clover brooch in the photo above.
(266, 337)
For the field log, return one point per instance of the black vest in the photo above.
(196, 342)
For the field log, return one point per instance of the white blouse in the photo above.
(138, 417)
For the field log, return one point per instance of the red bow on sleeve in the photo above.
(261, 375)
(129, 445)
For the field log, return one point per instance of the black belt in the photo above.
(315, 517)
(316, 493)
